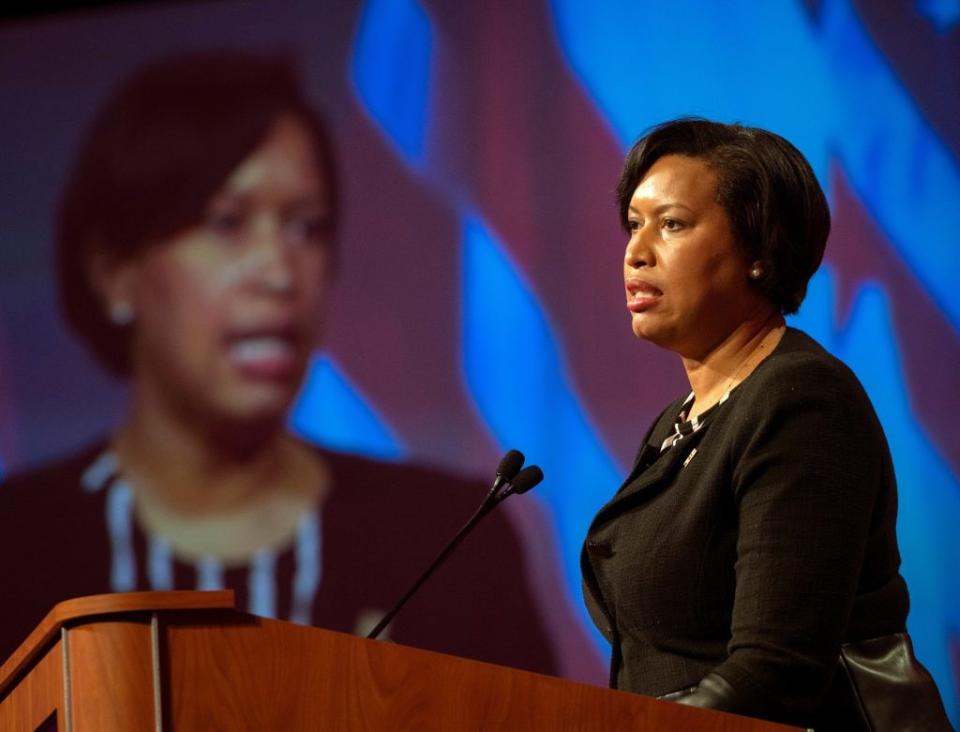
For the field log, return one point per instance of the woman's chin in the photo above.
(264, 393)
(647, 329)
(254, 405)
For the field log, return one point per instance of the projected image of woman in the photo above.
(196, 245)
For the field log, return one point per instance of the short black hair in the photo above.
(159, 148)
(777, 210)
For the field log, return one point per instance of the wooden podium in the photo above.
(189, 661)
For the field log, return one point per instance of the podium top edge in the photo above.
(117, 603)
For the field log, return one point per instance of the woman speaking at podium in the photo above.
(749, 562)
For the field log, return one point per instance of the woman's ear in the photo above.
(114, 281)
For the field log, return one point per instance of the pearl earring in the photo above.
(755, 272)
(121, 313)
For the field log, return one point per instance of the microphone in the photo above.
(509, 480)
(509, 466)
(530, 477)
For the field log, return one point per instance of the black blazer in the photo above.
(755, 546)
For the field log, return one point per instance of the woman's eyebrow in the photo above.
(671, 204)
(662, 207)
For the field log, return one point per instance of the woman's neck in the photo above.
(207, 498)
(196, 468)
(732, 360)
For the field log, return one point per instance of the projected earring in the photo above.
(756, 271)
(121, 313)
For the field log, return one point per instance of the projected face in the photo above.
(227, 312)
(685, 278)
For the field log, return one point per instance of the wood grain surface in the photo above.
(262, 674)
(36, 696)
(84, 608)
(111, 675)
(224, 670)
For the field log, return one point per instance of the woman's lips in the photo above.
(264, 356)
(641, 295)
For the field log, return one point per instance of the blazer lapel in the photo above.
(649, 473)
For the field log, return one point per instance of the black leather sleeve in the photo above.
(713, 692)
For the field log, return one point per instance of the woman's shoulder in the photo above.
(58, 480)
(387, 478)
(53, 540)
(800, 366)
(804, 387)
(418, 495)
(408, 497)
(405, 511)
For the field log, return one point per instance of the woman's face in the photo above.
(227, 312)
(686, 279)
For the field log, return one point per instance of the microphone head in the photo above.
(526, 479)
(510, 465)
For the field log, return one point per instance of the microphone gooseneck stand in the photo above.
(510, 480)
